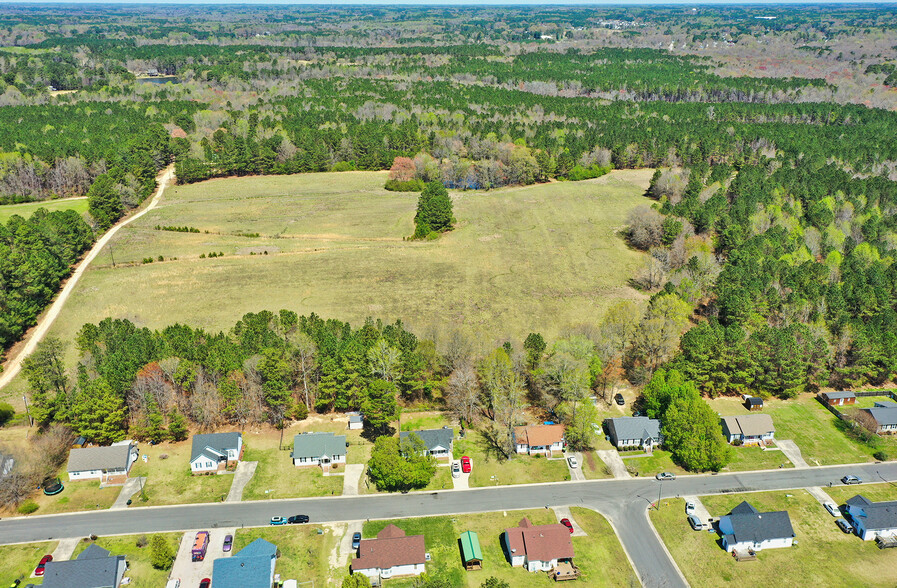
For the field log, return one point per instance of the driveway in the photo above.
(343, 553)
(191, 573)
(563, 512)
(820, 495)
(614, 463)
(65, 549)
(351, 479)
(244, 472)
(131, 487)
(575, 473)
(700, 510)
(792, 452)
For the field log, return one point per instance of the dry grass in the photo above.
(140, 569)
(20, 560)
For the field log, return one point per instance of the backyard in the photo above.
(140, 569)
(821, 551)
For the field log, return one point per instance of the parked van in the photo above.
(200, 546)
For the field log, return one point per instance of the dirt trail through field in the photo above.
(12, 367)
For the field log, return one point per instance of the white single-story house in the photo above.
(437, 441)
(885, 415)
(312, 449)
(746, 529)
(539, 439)
(390, 555)
(538, 548)
(356, 421)
(872, 519)
(215, 452)
(110, 465)
(748, 428)
(634, 432)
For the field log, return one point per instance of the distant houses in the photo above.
(390, 555)
(251, 567)
(438, 442)
(538, 548)
(748, 429)
(539, 439)
(745, 529)
(94, 567)
(872, 519)
(215, 452)
(110, 465)
(634, 432)
(318, 449)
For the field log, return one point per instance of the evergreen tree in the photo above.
(434, 210)
(104, 202)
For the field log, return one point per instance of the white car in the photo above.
(572, 461)
(832, 509)
(689, 508)
(456, 469)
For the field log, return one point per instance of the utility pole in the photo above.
(111, 254)
(27, 412)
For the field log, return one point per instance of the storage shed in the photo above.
(471, 553)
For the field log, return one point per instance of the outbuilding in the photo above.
(838, 398)
(471, 554)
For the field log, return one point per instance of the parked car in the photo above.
(851, 480)
(456, 469)
(832, 509)
(356, 540)
(568, 524)
(39, 570)
(618, 398)
(465, 464)
(228, 543)
(665, 476)
(205, 583)
(174, 583)
(689, 508)
(695, 523)
(278, 521)
(297, 519)
(572, 461)
(844, 525)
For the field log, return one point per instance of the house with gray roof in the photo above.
(215, 452)
(437, 441)
(251, 567)
(634, 432)
(872, 519)
(838, 398)
(747, 529)
(748, 429)
(323, 449)
(110, 465)
(94, 567)
(885, 416)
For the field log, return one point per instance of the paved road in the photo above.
(623, 502)
(13, 366)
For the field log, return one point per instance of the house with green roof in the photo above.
(471, 553)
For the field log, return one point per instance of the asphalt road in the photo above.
(623, 502)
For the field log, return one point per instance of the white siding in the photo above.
(86, 475)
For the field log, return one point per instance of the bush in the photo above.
(142, 541)
(881, 455)
(6, 413)
(162, 555)
(407, 186)
(27, 507)
(343, 166)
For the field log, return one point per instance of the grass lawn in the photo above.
(169, 480)
(593, 467)
(25, 210)
(85, 495)
(335, 247)
(140, 570)
(417, 421)
(599, 556)
(874, 492)
(20, 560)
(751, 457)
(304, 554)
(519, 469)
(649, 465)
(821, 553)
(442, 480)
(276, 472)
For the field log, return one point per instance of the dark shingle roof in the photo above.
(744, 507)
(836, 395)
(114, 457)
(634, 428)
(318, 444)
(883, 416)
(93, 568)
(209, 443)
(876, 515)
(751, 526)
(433, 438)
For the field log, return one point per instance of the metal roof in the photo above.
(470, 546)
(318, 444)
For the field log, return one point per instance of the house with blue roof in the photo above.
(251, 567)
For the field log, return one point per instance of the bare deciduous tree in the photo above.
(463, 393)
(645, 227)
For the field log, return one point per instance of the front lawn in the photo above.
(20, 560)
(277, 477)
(140, 568)
(169, 480)
(874, 492)
(599, 556)
(518, 469)
(304, 554)
(752, 457)
(84, 495)
(593, 467)
(822, 553)
(640, 464)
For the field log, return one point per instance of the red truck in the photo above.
(200, 545)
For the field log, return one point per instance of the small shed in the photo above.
(753, 403)
(838, 398)
(356, 421)
(471, 553)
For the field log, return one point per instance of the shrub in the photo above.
(28, 507)
(406, 186)
(343, 166)
(881, 455)
(162, 555)
(6, 413)
(142, 541)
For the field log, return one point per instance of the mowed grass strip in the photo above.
(85, 495)
(20, 560)
(304, 553)
(140, 568)
(536, 258)
(822, 554)
(489, 469)
(26, 209)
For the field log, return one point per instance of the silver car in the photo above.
(832, 509)
(572, 461)
(665, 476)
(456, 469)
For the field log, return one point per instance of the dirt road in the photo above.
(12, 367)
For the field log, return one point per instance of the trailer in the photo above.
(200, 546)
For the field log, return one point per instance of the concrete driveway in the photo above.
(575, 473)
(131, 487)
(351, 478)
(792, 452)
(563, 512)
(65, 549)
(700, 510)
(614, 463)
(189, 572)
(244, 472)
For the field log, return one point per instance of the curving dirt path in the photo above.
(12, 367)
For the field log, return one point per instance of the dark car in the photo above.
(228, 543)
(205, 583)
(844, 525)
(297, 519)
(568, 524)
(851, 480)
(356, 540)
(39, 570)
(618, 398)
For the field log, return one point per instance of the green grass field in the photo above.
(519, 469)
(25, 210)
(20, 560)
(822, 554)
(304, 554)
(536, 258)
(169, 480)
(140, 569)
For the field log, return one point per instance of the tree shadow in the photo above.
(491, 446)
(371, 433)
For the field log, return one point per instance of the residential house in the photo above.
(94, 567)
(885, 416)
(539, 439)
(318, 449)
(110, 465)
(390, 555)
(634, 432)
(356, 421)
(872, 519)
(748, 429)
(471, 554)
(838, 398)
(437, 441)
(753, 402)
(215, 452)
(746, 529)
(537, 547)
(251, 567)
